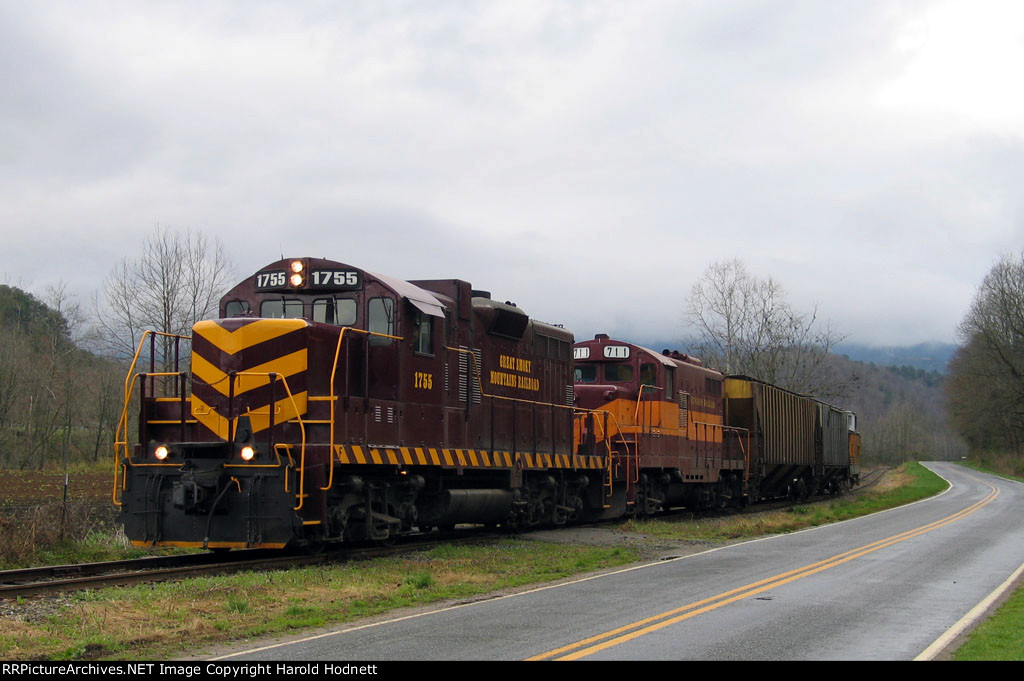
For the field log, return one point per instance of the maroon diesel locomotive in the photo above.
(329, 403)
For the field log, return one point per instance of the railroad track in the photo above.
(62, 578)
(872, 478)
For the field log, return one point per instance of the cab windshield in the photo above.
(618, 373)
(585, 373)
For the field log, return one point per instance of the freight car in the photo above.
(685, 435)
(328, 403)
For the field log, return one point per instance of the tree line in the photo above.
(743, 324)
(986, 383)
(62, 371)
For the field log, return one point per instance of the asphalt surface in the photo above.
(882, 587)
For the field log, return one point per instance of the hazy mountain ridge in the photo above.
(926, 356)
(931, 356)
(898, 394)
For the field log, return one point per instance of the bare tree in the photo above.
(744, 325)
(986, 388)
(175, 281)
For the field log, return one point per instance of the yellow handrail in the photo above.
(480, 387)
(129, 385)
(302, 429)
(334, 398)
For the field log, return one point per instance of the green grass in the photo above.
(910, 482)
(1001, 637)
(1003, 465)
(170, 619)
(98, 546)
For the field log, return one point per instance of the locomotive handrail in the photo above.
(606, 438)
(639, 399)
(130, 378)
(575, 410)
(334, 398)
(138, 351)
(129, 384)
(124, 444)
(480, 387)
(300, 493)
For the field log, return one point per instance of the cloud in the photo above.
(587, 160)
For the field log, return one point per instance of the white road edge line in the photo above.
(968, 620)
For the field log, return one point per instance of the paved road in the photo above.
(880, 587)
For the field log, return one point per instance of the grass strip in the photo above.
(159, 621)
(997, 467)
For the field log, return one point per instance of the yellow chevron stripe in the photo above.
(260, 419)
(288, 366)
(248, 335)
(473, 458)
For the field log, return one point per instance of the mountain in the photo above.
(925, 356)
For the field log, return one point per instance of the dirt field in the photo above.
(26, 488)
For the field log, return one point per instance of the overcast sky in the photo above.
(585, 159)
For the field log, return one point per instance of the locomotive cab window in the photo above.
(422, 333)
(713, 387)
(337, 311)
(618, 373)
(381, 314)
(648, 374)
(585, 373)
(281, 309)
(237, 308)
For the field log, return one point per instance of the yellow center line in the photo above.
(594, 644)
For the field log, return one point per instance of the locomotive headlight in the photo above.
(296, 280)
(248, 453)
(161, 452)
(297, 266)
